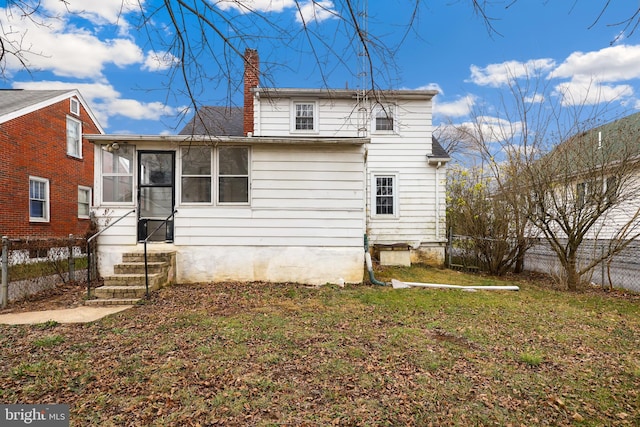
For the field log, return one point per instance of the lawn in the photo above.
(270, 355)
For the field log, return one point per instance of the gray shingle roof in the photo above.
(13, 100)
(437, 151)
(218, 121)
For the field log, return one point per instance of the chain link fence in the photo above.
(620, 271)
(31, 266)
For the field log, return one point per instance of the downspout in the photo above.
(437, 204)
(367, 258)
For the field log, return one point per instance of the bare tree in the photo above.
(564, 174)
(190, 31)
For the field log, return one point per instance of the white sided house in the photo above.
(287, 198)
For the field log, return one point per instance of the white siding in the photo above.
(304, 222)
(403, 153)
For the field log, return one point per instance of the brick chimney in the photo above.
(251, 80)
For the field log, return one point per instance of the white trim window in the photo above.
(117, 175)
(74, 137)
(384, 119)
(74, 106)
(38, 199)
(384, 198)
(84, 201)
(233, 175)
(196, 170)
(304, 116)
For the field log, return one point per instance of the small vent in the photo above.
(75, 107)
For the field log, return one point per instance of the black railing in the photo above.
(89, 249)
(146, 267)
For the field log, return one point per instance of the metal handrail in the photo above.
(146, 267)
(89, 249)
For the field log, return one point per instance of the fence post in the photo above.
(450, 246)
(4, 289)
(72, 262)
(602, 265)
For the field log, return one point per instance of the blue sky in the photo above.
(99, 49)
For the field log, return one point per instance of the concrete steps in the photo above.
(127, 284)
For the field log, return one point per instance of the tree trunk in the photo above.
(573, 277)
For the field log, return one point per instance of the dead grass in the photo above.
(263, 354)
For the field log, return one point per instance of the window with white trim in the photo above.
(304, 116)
(38, 199)
(196, 175)
(384, 118)
(74, 137)
(74, 106)
(84, 201)
(385, 198)
(233, 175)
(117, 174)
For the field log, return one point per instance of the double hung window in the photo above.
(84, 201)
(385, 196)
(384, 119)
(38, 199)
(74, 137)
(304, 116)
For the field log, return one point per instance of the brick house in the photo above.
(46, 166)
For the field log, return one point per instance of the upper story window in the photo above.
(233, 175)
(305, 116)
(38, 199)
(84, 201)
(74, 137)
(117, 175)
(384, 118)
(74, 106)
(196, 175)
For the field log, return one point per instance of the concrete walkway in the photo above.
(80, 314)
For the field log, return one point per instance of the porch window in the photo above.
(117, 175)
(84, 201)
(384, 195)
(196, 175)
(74, 137)
(233, 175)
(38, 199)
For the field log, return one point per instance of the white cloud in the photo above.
(159, 61)
(98, 12)
(535, 99)
(588, 92)
(611, 64)
(106, 102)
(63, 49)
(246, 6)
(307, 12)
(497, 75)
(316, 11)
(458, 108)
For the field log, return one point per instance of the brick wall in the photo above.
(35, 145)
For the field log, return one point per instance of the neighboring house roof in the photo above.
(219, 121)
(438, 153)
(18, 102)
